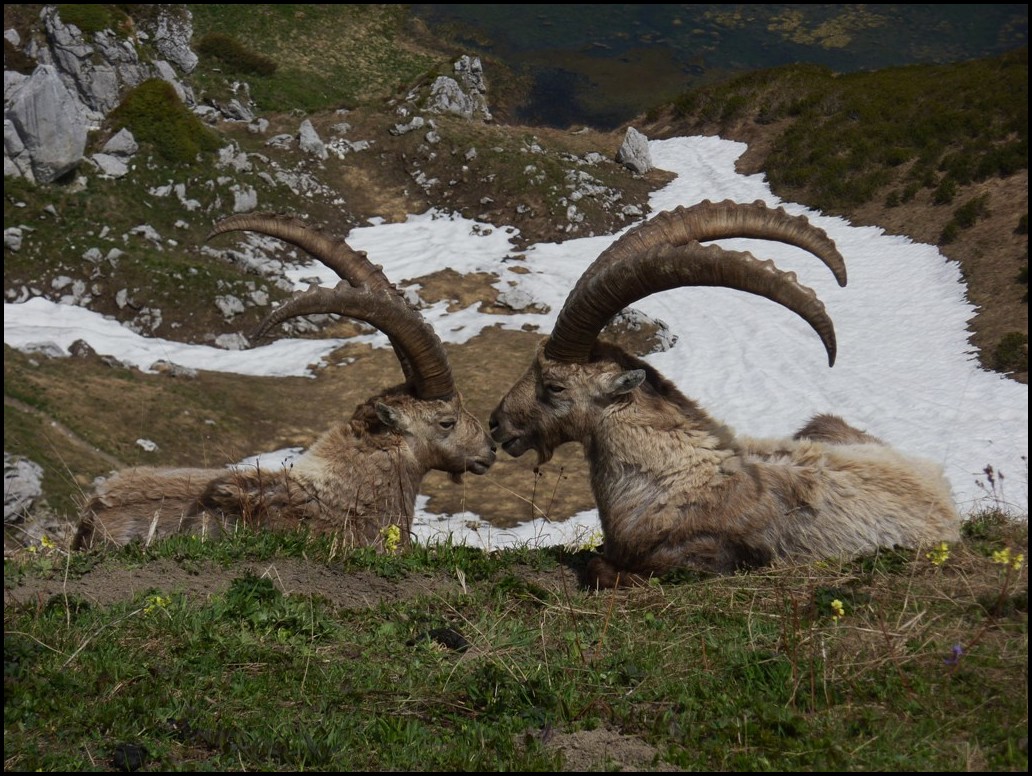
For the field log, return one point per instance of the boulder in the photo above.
(634, 153)
(49, 123)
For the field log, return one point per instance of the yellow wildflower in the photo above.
(592, 541)
(939, 554)
(838, 610)
(1005, 558)
(391, 538)
(47, 542)
(155, 603)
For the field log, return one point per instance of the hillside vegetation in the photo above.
(938, 153)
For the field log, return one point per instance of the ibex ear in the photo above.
(390, 416)
(625, 382)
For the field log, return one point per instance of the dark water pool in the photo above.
(602, 64)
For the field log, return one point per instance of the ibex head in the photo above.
(426, 409)
(574, 377)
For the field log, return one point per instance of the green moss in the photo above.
(157, 117)
(91, 18)
(234, 55)
(1011, 354)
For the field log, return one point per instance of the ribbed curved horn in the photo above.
(707, 221)
(349, 264)
(604, 293)
(415, 341)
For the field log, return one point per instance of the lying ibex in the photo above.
(675, 488)
(360, 477)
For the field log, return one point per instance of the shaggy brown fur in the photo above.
(675, 488)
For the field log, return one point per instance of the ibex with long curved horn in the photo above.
(675, 488)
(358, 478)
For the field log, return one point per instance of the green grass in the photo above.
(325, 56)
(853, 135)
(908, 661)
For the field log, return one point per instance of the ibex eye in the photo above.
(447, 424)
(555, 388)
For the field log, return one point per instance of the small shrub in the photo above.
(910, 191)
(949, 233)
(967, 214)
(234, 55)
(945, 191)
(1011, 354)
(896, 156)
(91, 18)
(985, 525)
(155, 115)
(1022, 227)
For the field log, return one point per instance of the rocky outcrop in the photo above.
(23, 486)
(79, 79)
(45, 127)
(464, 95)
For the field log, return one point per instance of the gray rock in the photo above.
(245, 199)
(49, 123)
(229, 306)
(122, 143)
(13, 238)
(310, 142)
(110, 166)
(80, 79)
(634, 153)
(23, 485)
(147, 232)
(280, 141)
(463, 95)
(98, 72)
(232, 342)
(417, 122)
(172, 369)
(234, 110)
(165, 72)
(171, 31)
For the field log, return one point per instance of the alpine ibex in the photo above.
(360, 477)
(676, 488)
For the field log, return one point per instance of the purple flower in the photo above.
(955, 655)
